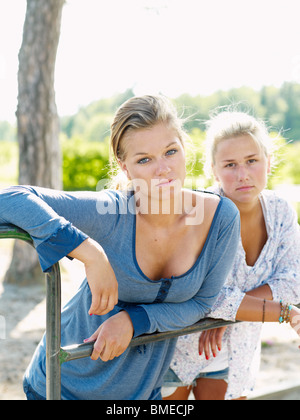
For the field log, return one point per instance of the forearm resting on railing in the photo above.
(100, 276)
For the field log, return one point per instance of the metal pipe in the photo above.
(53, 334)
(80, 351)
(57, 355)
(12, 232)
(53, 318)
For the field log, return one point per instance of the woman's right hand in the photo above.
(112, 338)
(100, 276)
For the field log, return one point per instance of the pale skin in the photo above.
(166, 245)
(241, 167)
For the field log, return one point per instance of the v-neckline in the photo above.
(196, 262)
(252, 267)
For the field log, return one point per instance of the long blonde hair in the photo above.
(135, 114)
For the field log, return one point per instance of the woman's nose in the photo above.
(242, 173)
(162, 168)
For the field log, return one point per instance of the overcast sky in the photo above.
(168, 46)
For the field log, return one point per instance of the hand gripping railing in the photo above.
(55, 354)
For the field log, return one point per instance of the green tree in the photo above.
(290, 92)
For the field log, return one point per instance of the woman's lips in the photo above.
(245, 188)
(165, 183)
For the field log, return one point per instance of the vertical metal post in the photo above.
(53, 334)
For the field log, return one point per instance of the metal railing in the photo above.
(57, 355)
(53, 317)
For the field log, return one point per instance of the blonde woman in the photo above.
(265, 278)
(156, 257)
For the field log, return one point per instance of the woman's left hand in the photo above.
(112, 338)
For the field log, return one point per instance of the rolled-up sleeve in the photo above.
(285, 279)
(54, 237)
(227, 304)
(59, 245)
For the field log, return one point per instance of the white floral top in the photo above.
(278, 266)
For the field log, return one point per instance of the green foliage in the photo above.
(85, 135)
(195, 151)
(92, 123)
(84, 164)
(291, 94)
(280, 107)
(8, 163)
(288, 171)
(7, 131)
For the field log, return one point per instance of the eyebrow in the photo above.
(246, 157)
(146, 153)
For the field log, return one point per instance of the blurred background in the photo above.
(202, 54)
(66, 66)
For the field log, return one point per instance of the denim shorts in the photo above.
(30, 393)
(172, 382)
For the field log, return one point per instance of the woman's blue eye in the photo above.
(168, 153)
(143, 161)
(172, 152)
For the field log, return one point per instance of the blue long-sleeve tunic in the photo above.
(58, 223)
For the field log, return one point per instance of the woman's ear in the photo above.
(124, 168)
(213, 168)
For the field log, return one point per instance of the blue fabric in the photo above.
(30, 393)
(52, 218)
(61, 243)
(139, 319)
(172, 380)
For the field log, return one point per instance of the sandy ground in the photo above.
(22, 323)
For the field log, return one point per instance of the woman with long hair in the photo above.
(156, 257)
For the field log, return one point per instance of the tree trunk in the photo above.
(37, 118)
